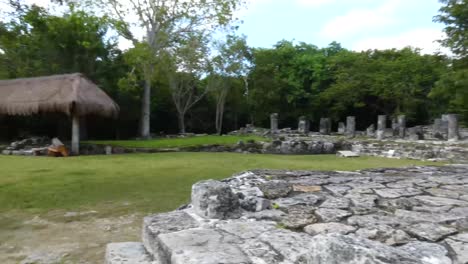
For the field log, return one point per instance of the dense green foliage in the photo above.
(146, 182)
(240, 84)
(452, 89)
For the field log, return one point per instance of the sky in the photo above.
(355, 24)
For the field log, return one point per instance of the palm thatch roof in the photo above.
(72, 94)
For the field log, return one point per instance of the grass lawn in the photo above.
(178, 142)
(122, 184)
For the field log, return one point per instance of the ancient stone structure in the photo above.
(274, 123)
(401, 126)
(325, 126)
(395, 127)
(381, 127)
(304, 125)
(370, 131)
(350, 126)
(382, 122)
(408, 216)
(452, 120)
(438, 129)
(341, 128)
(33, 146)
(416, 133)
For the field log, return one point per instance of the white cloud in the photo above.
(423, 38)
(361, 20)
(314, 3)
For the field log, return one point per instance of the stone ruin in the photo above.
(414, 215)
(33, 146)
(444, 128)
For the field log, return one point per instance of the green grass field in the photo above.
(178, 142)
(140, 182)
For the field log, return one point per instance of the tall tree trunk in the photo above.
(145, 110)
(181, 117)
(220, 110)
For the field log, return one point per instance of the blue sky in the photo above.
(356, 24)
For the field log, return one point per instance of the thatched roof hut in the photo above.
(72, 94)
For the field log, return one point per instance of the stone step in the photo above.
(128, 253)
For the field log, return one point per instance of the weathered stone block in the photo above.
(325, 126)
(350, 126)
(127, 253)
(215, 200)
(274, 122)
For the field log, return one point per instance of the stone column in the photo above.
(453, 134)
(303, 126)
(395, 127)
(437, 129)
(415, 133)
(381, 126)
(401, 126)
(341, 128)
(274, 123)
(350, 126)
(370, 131)
(325, 126)
(382, 122)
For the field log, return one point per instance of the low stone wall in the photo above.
(421, 150)
(292, 146)
(412, 150)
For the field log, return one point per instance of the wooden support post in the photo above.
(75, 145)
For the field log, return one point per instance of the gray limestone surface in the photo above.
(406, 215)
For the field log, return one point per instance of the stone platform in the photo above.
(409, 215)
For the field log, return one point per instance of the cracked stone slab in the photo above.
(440, 192)
(440, 201)
(384, 234)
(429, 253)
(459, 245)
(273, 215)
(246, 229)
(397, 193)
(299, 216)
(336, 203)
(331, 215)
(329, 228)
(363, 200)
(373, 220)
(300, 199)
(416, 217)
(206, 246)
(338, 190)
(164, 223)
(293, 246)
(334, 248)
(430, 231)
(126, 253)
(275, 189)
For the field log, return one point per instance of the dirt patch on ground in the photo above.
(66, 237)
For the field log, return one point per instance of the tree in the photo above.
(167, 23)
(382, 82)
(286, 79)
(451, 89)
(229, 64)
(190, 63)
(37, 43)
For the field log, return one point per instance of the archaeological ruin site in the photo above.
(406, 215)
